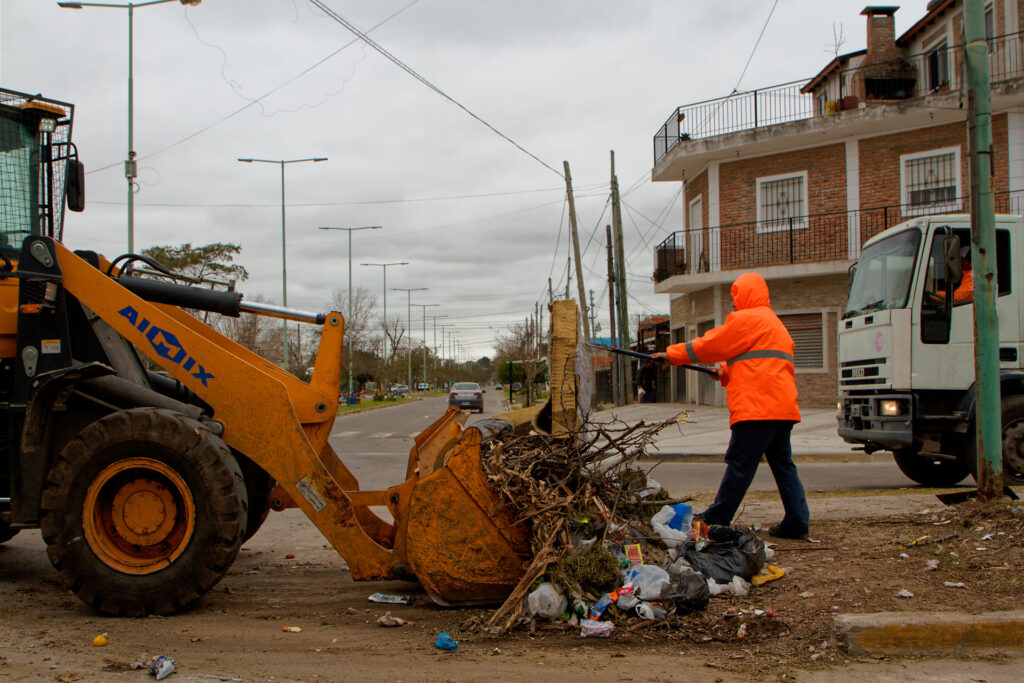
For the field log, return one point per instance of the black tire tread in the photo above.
(213, 547)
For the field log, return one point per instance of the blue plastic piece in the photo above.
(683, 516)
(445, 642)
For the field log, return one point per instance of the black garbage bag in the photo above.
(690, 592)
(733, 551)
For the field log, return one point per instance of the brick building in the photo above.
(790, 180)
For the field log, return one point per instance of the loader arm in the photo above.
(281, 424)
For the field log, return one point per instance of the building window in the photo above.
(937, 62)
(782, 202)
(808, 333)
(990, 28)
(930, 181)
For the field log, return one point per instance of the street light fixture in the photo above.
(284, 251)
(347, 322)
(409, 291)
(130, 168)
(384, 267)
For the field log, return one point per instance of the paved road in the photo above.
(375, 446)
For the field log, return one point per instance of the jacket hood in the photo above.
(750, 291)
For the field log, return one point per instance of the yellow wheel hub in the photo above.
(138, 515)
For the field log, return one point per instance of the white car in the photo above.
(399, 390)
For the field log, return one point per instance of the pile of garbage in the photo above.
(608, 544)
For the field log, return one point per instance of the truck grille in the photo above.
(861, 373)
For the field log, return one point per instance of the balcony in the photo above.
(835, 90)
(814, 240)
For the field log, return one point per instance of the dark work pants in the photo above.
(748, 442)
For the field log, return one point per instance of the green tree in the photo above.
(208, 260)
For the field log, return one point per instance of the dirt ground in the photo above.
(859, 563)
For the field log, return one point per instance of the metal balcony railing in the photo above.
(802, 239)
(916, 75)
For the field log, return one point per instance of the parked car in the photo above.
(422, 386)
(467, 395)
(399, 389)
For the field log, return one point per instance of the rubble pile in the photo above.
(608, 545)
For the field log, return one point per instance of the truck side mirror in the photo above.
(954, 266)
(74, 188)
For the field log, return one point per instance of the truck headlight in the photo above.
(890, 408)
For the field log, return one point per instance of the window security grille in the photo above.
(806, 329)
(931, 182)
(782, 204)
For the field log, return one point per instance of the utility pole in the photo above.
(983, 254)
(611, 318)
(592, 316)
(568, 276)
(625, 378)
(384, 267)
(551, 295)
(576, 251)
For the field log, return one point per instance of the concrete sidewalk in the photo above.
(706, 431)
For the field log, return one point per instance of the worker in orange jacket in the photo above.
(755, 353)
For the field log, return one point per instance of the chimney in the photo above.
(881, 35)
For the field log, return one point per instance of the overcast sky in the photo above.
(482, 224)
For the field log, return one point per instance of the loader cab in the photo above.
(40, 175)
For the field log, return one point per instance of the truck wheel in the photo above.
(6, 532)
(1013, 443)
(929, 471)
(143, 512)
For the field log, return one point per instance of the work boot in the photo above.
(779, 531)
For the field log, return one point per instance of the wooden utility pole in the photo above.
(611, 318)
(625, 378)
(568, 276)
(576, 251)
(551, 295)
(593, 318)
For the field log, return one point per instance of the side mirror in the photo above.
(74, 187)
(954, 266)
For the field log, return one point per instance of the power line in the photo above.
(409, 70)
(258, 99)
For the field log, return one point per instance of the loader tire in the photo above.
(143, 512)
(6, 532)
(929, 471)
(258, 486)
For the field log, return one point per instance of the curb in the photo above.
(852, 456)
(370, 409)
(946, 633)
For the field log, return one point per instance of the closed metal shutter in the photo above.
(807, 332)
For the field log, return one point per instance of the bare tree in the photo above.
(838, 39)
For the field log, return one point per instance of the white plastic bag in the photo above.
(651, 581)
(546, 602)
(669, 536)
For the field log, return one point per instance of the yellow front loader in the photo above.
(146, 483)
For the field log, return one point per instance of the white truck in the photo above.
(906, 349)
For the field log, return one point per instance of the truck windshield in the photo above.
(881, 279)
(17, 180)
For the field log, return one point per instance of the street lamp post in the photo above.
(409, 291)
(436, 351)
(384, 267)
(129, 165)
(425, 307)
(349, 321)
(284, 250)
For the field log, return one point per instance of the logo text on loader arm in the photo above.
(166, 345)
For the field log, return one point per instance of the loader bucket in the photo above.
(461, 540)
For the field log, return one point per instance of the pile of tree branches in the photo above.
(571, 490)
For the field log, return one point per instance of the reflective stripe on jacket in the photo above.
(758, 350)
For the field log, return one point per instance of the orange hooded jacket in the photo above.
(758, 355)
